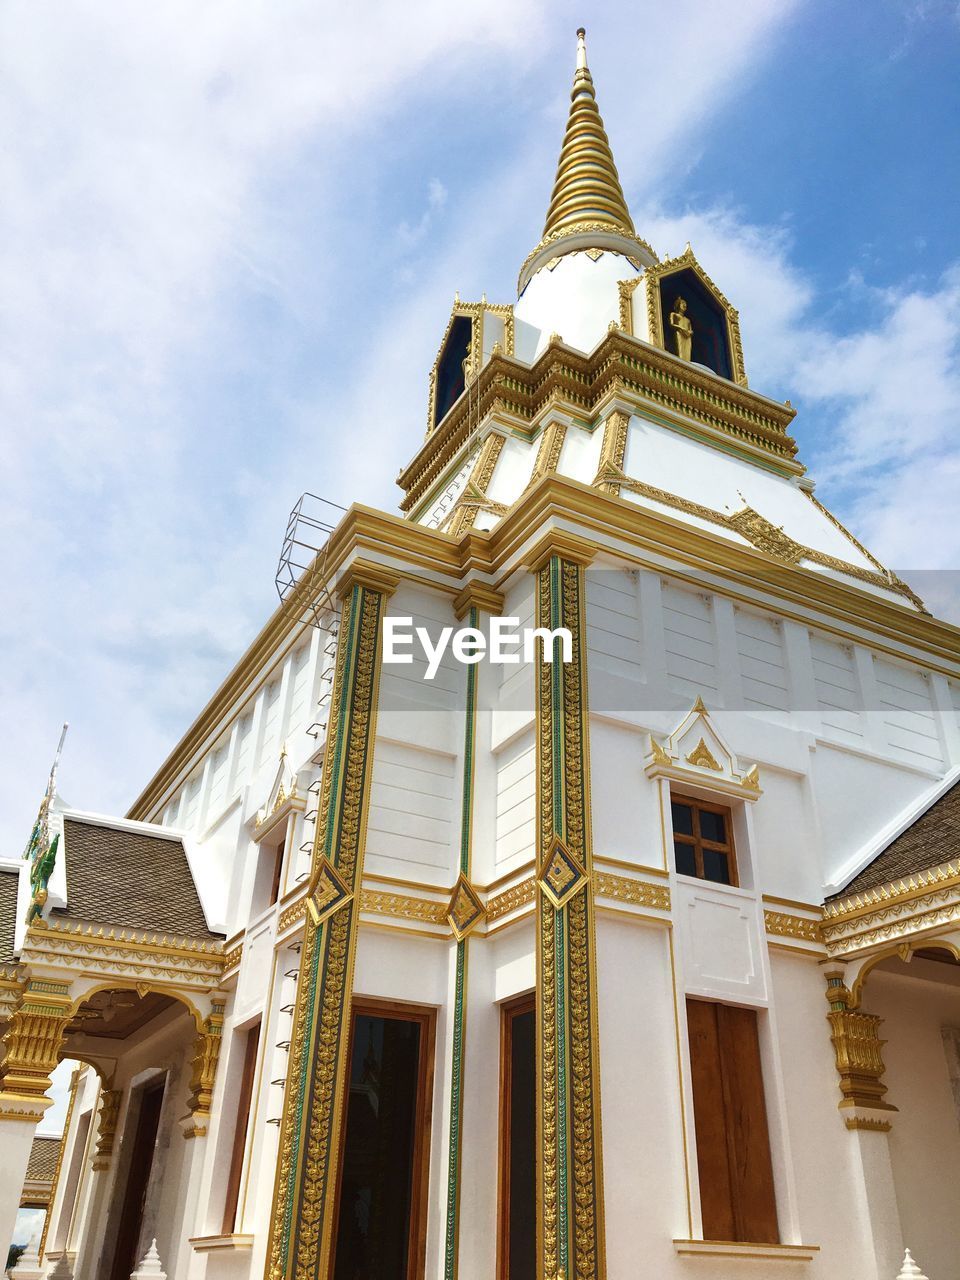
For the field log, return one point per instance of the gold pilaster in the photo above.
(31, 1048)
(109, 1113)
(570, 1227)
(548, 452)
(303, 1219)
(206, 1057)
(858, 1049)
(474, 499)
(613, 450)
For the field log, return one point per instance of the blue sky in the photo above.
(230, 238)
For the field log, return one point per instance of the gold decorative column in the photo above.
(302, 1226)
(612, 452)
(570, 1227)
(858, 1048)
(205, 1060)
(110, 1100)
(31, 1048)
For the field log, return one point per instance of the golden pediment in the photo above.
(695, 753)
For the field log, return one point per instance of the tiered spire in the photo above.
(587, 208)
(588, 187)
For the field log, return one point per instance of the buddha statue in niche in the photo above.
(682, 328)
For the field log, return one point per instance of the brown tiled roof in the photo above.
(42, 1164)
(9, 879)
(130, 880)
(934, 838)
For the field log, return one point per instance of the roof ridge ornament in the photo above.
(588, 209)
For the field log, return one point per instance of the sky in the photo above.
(229, 242)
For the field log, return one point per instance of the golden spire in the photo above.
(587, 207)
(587, 188)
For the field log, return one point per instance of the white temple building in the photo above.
(640, 964)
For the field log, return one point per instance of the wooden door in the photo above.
(737, 1196)
(517, 1239)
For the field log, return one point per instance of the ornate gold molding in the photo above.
(477, 595)
(31, 1048)
(401, 906)
(569, 1166)
(302, 1221)
(613, 450)
(756, 530)
(548, 451)
(638, 893)
(780, 924)
(107, 1117)
(473, 498)
(565, 378)
(205, 1060)
(130, 955)
(869, 1123)
(893, 912)
(518, 895)
(627, 289)
(857, 1047)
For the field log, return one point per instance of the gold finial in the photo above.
(587, 188)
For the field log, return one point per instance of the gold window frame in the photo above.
(475, 311)
(654, 278)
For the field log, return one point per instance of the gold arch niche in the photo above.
(158, 998)
(902, 951)
(140, 989)
(687, 261)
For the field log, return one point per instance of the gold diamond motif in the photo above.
(326, 891)
(562, 875)
(466, 910)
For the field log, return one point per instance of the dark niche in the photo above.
(450, 375)
(710, 338)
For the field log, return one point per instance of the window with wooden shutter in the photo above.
(737, 1195)
(242, 1103)
(703, 840)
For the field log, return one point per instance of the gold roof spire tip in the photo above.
(587, 205)
(587, 188)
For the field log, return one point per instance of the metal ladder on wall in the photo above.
(301, 581)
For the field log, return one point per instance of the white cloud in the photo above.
(410, 236)
(877, 406)
(208, 304)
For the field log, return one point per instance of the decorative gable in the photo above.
(696, 754)
(282, 800)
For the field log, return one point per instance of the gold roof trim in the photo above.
(580, 382)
